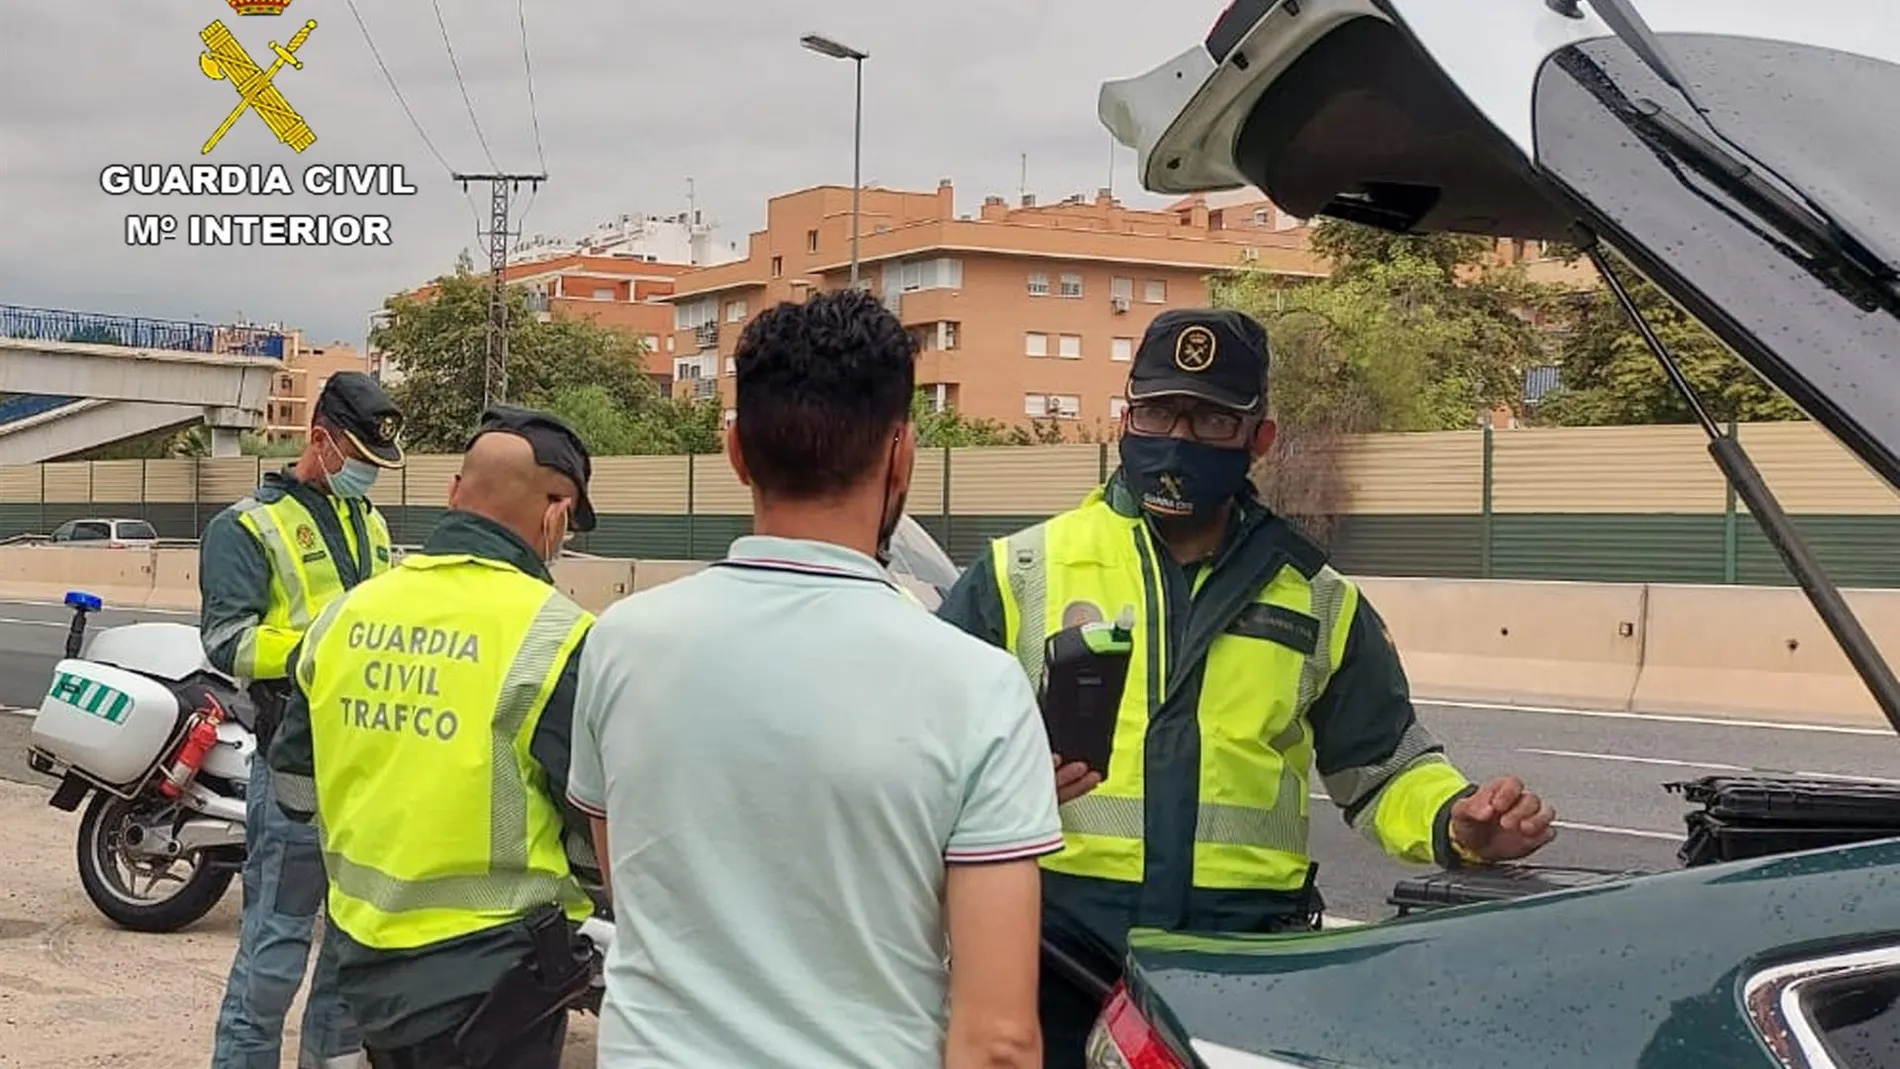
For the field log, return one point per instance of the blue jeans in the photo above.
(284, 888)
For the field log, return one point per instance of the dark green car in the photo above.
(1740, 157)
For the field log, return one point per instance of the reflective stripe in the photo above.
(530, 679)
(296, 791)
(286, 567)
(1357, 790)
(1029, 586)
(1330, 594)
(230, 629)
(485, 892)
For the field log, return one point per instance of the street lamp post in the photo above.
(825, 46)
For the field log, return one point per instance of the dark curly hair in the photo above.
(822, 388)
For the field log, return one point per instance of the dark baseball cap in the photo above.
(356, 405)
(1214, 354)
(556, 447)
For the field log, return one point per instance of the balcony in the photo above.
(701, 389)
(926, 306)
(706, 336)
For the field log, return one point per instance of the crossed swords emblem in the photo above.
(224, 58)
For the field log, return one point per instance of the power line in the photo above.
(403, 101)
(463, 85)
(534, 110)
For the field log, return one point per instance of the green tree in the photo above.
(951, 428)
(1609, 376)
(665, 426)
(1356, 249)
(440, 343)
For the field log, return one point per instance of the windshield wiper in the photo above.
(1742, 474)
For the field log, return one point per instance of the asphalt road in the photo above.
(1603, 772)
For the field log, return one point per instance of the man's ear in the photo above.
(1263, 437)
(736, 456)
(455, 490)
(904, 458)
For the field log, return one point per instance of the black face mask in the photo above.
(1176, 478)
(888, 526)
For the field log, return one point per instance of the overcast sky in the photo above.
(634, 97)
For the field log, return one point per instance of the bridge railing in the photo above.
(138, 332)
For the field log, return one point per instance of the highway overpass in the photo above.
(82, 380)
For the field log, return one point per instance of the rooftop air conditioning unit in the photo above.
(1118, 302)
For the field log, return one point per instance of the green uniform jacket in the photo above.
(1358, 724)
(400, 998)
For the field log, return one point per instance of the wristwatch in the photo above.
(1465, 853)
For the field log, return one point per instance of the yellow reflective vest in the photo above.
(425, 687)
(305, 576)
(1225, 750)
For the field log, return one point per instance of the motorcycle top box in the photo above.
(112, 724)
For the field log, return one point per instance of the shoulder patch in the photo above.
(1276, 623)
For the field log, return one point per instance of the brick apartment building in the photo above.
(1020, 311)
(295, 386)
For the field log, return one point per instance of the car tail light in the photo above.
(1123, 1038)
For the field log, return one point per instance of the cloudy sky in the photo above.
(634, 97)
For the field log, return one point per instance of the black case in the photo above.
(1494, 883)
(1081, 695)
(1759, 816)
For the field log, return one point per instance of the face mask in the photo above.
(1178, 478)
(353, 478)
(887, 527)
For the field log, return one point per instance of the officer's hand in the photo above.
(1073, 780)
(1502, 821)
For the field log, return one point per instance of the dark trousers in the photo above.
(540, 1048)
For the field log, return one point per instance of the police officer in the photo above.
(267, 566)
(1253, 660)
(429, 737)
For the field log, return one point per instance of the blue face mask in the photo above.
(1177, 478)
(354, 479)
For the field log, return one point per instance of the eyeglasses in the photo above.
(1204, 423)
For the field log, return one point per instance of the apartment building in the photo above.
(295, 386)
(1021, 311)
(626, 291)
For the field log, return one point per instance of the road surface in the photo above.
(1604, 772)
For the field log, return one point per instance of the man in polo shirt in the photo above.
(799, 778)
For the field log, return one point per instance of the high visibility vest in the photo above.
(425, 689)
(305, 575)
(1256, 745)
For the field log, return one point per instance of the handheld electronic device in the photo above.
(1084, 669)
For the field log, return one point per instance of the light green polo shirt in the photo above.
(788, 753)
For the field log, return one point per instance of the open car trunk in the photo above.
(1735, 154)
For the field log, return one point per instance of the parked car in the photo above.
(108, 533)
(1728, 153)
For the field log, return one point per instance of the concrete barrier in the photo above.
(648, 574)
(1515, 642)
(596, 583)
(122, 577)
(174, 579)
(1759, 651)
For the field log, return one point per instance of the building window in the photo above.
(1155, 292)
(653, 343)
(1071, 285)
(732, 416)
(1116, 406)
(778, 266)
(1261, 217)
(1038, 284)
(735, 312)
(1035, 345)
(669, 343)
(811, 241)
(732, 365)
(695, 314)
(1052, 405)
(1122, 287)
(1070, 346)
(947, 334)
(284, 382)
(1122, 349)
(603, 293)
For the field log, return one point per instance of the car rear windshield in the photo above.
(137, 530)
(1812, 115)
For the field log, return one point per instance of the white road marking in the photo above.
(34, 623)
(1605, 829)
(1327, 920)
(17, 712)
(1715, 765)
(1668, 718)
(109, 607)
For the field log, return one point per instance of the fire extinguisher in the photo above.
(200, 737)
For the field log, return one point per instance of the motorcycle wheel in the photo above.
(101, 853)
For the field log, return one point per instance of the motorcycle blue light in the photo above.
(79, 599)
